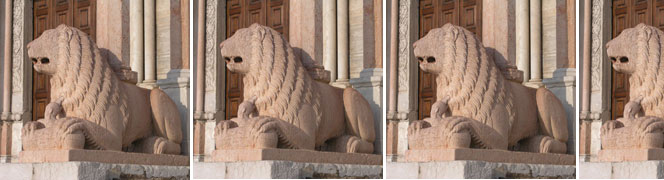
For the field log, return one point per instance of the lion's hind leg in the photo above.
(360, 132)
(553, 125)
(166, 126)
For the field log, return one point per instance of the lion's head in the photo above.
(272, 73)
(464, 72)
(638, 51)
(79, 74)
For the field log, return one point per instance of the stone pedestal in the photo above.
(288, 164)
(489, 155)
(622, 155)
(295, 155)
(621, 170)
(112, 157)
(90, 170)
(463, 169)
(481, 163)
(283, 170)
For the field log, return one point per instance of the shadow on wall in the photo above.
(377, 113)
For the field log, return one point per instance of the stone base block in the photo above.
(283, 170)
(622, 155)
(114, 157)
(621, 170)
(489, 155)
(295, 155)
(476, 170)
(90, 170)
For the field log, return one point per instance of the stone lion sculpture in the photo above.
(638, 52)
(477, 107)
(91, 108)
(284, 107)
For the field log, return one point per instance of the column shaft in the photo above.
(536, 40)
(330, 38)
(392, 104)
(150, 42)
(200, 57)
(523, 38)
(136, 38)
(585, 98)
(342, 40)
(7, 81)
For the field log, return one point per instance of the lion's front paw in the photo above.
(609, 126)
(416, 126)
(263, 124)
(30, 127)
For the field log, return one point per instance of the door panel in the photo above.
(435, 14)
(48, 14)
(241, 14)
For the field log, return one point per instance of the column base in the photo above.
(267, 169)
(343, 83)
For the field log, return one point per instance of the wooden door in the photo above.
(241, 14)
(48, 14)
(627, 14)
(435, 14)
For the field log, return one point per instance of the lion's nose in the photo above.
(426, 59)
(619, 59)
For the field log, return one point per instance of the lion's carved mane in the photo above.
(473, 81)
(89, 87)
(280, 81)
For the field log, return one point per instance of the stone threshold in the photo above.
(489, 155)
(271, 169)
(295, 155)
(112, 157)
(621, 155)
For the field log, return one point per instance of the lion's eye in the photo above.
(420, 59)
(34, 60)
(44, 61)
(228, 59)
(237, 59)
(613, 59)
(431, 59)
(624, 59)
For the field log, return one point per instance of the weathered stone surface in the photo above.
(284, 170)
(90, 170)
(91, 108)
(116, 157)
(477, 106)
(489, 155)
(295, 155)
(476, 170)
(289, 110)
(621, 155)
(621, 170)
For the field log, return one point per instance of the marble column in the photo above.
(536, 41)
(330, 38)
(150, 43)
(136, 38)
(392, 104)
(6, 95)
(199, 126)
(585, 94)
(523, 38)
(342, 41)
